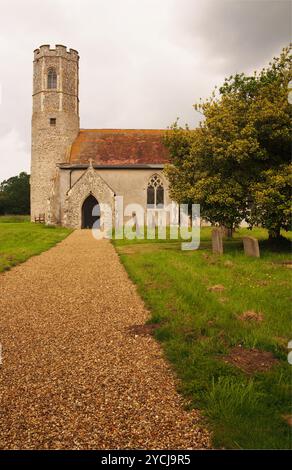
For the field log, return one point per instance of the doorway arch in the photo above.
(90, 216)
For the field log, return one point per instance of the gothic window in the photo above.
(155, 192)
(52, 79)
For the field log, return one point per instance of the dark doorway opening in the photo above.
(90, 216)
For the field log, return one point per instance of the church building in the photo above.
(73, 169)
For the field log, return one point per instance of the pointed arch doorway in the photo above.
(90, 212)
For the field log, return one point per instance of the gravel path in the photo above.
(72, 375)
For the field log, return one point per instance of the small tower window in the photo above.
(52, 79)
(53, 121)
(155, 192)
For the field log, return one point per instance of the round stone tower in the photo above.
(55, 119)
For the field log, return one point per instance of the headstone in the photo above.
(217, 242)
(136, 224)
(251, 247)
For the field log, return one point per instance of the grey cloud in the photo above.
(241, 34)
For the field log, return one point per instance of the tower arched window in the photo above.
(155, 192)
(52, 79)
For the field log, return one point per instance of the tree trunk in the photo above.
(228, 232)
(274, 234)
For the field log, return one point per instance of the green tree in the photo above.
(15, 195)
(272, 200)
(245, 132)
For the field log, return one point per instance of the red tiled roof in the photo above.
(119, 147)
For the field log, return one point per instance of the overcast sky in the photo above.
(142, 62)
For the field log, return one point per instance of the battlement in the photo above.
(59, 51)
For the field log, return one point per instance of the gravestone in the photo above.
(217, 242)
(251, 247)
(136, 224)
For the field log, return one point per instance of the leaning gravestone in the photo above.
(217, 241)
(251, 247)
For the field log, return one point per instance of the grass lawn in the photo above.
(20, 239)
(199, 329)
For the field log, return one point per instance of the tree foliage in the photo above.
(272, 200)
(15, 195)
(240, 148)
